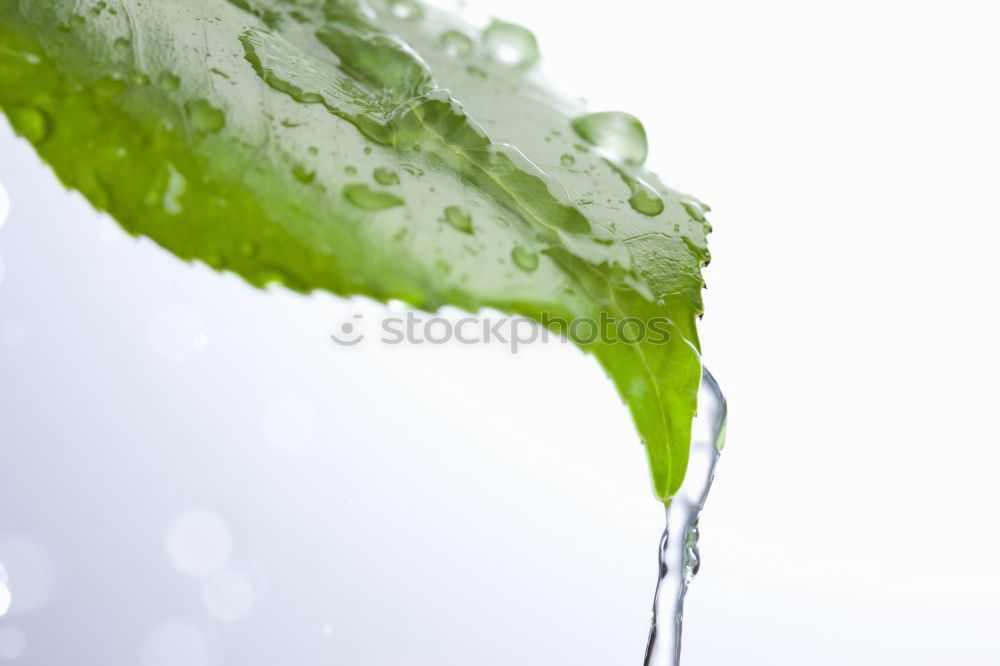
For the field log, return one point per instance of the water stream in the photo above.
(679, 556)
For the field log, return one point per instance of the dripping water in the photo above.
(679, 556)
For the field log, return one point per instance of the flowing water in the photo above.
(679, 556)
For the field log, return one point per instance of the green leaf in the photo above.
(331, 145)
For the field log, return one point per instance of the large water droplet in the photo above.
(567, 160)
(456, 43)
(645, 200)
(363, 197)
(459, 218)
(524, 259)
(619, 135)
(511, 44)
(205, 117)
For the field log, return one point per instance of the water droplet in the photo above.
(645, 200)
(175, 644)
(109, 86)
(459, 218)
(525, 259)
(31, 122)
(456, 44)
(313, 150)
(568, 160)
(175, 187)
(13, 643)
(199, 543)
(405, 9)
(177, 332)
(303, 174)
(229, 596)
(30, 577)
(291, 422)
(123, 44)
(696, 212)
(619, 135)
(385, 176)
(477, 72)
(205, 117)
(363, 197)
(442, 267)
(511, 44)
(351, 171)
(169, 81)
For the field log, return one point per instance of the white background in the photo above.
(454, 505)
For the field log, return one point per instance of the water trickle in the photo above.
(679, 556)
(456, 44)
(511, 44)
(619, 135)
